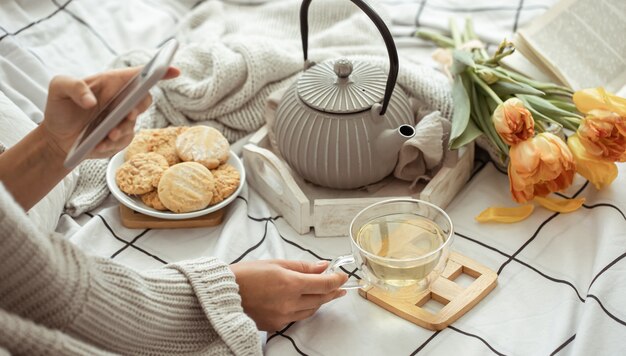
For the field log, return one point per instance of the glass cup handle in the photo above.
(334, 267)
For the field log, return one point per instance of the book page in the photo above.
(582, 42)
(524, 62)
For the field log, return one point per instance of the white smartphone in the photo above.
(121, 104)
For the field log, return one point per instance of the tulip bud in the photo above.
(488, 76)
(513, 121)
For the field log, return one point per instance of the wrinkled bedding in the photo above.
(562, 277)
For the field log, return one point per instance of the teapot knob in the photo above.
(343, 68)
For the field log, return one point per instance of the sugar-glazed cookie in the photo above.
(152, 200)
(204, 145)
(186, 187)
(226, 182)
(161, 141)
(141, 174)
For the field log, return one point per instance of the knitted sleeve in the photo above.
(185, 308)
(24, 337)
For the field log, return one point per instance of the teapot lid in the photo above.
(342, 86)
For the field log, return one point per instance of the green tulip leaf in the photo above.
(546, 107)
(470, 134)
(565, 105)
(511, 88)
(461, 114)
(461, 60)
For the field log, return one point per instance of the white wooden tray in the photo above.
(329, 211)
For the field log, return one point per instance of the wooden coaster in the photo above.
(134, 220)
(456, 299)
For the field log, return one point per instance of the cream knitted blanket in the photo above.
(233, 57)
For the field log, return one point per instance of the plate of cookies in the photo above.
(176, 172)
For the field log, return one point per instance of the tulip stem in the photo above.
(471, 35)
(485, 87)
(571, 123)
(454, 31)
(493, 134)
(553, 88)
(438, 39)
(539, 126)
(565, 105)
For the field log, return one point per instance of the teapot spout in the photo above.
(389, 142)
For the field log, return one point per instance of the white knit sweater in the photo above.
(233, 56)
(56, 300)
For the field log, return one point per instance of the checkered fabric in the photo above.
(562, 281)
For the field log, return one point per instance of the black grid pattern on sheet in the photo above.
(86, 25)
(27, 26)
(515, 12)
(510, 258)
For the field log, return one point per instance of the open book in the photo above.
(577, 43)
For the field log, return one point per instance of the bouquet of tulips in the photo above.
(524, 122)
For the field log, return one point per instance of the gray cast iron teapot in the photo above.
(330, 125)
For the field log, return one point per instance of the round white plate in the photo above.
(137, 205)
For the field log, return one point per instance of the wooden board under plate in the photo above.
(134, 220)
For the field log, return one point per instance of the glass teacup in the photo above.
(399, 245)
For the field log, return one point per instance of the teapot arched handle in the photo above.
(382, 28)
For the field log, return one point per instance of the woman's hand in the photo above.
(34, 165)
(277, 292)
(72, 103)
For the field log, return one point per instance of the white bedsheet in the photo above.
(562, 283)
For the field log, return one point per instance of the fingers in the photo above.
(310, 278)
(172, 72)
(322, 283)
(124, 128)
(121, 75)
(144, 104)
(118, 138)
(77, 90)
(302, 266)
(107, 147)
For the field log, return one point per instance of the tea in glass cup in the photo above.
(400, 245)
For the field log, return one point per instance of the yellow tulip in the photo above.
(599, 172)
(513, 121)
(540, 166)
(587, 100)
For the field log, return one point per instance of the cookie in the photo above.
(141, 174)
(204, 145)
(226, 182)
(152, 200)
(161, 141)
(186, 187)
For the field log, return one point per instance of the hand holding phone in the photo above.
(113, 107)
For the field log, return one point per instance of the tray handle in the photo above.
(274, 182)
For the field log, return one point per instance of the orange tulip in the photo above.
(600, 173)
(603, 134)
(540, 166)
(603, 131)
(513, 121)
